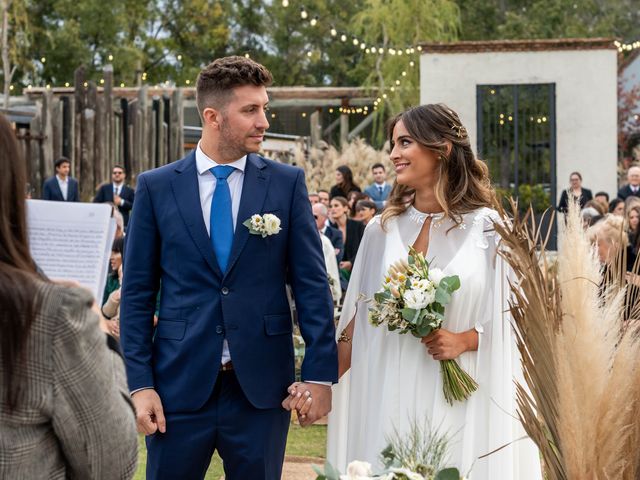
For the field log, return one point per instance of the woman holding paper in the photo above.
(64, 405)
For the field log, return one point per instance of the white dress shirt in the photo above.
(206, 186)
(117, 190)
(64, 186)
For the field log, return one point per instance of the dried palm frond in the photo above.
(580, 358)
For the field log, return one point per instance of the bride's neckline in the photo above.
(420, 217)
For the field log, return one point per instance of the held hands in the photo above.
(445, 345)
(312, 401)
(149, 413)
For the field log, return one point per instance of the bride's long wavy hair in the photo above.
(463, 183)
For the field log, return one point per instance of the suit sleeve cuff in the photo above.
(326, 384)
(138, 389)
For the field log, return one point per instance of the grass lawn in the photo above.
(307, 442)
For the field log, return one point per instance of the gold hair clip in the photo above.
(460, 130)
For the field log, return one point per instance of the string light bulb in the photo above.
(343, 37)
(43, 60)
(363, 46)
(285, 3)
(66, 84)
(303, 13)
(334, 32)
(355, 41)
(110, 57)
(314, 21)
(179, 57)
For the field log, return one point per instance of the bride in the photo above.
(441, 205)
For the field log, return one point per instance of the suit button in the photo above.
(225, 291)
(219, 329)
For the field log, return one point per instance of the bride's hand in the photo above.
(445, 345)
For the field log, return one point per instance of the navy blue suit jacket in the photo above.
(51, 190)
(374, 192)
(168, 247)
(105, 194)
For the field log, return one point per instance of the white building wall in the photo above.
(586, 101)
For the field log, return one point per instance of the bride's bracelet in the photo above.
(344, 337)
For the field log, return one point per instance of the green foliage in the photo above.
(534, 195)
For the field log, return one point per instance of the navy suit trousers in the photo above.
(250, 441)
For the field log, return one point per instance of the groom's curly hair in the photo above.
(217, 80)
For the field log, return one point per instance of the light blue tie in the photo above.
(221, 219)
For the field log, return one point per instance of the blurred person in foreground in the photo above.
(64, 405)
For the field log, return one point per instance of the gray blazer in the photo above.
(74, 417)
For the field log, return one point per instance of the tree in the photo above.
(14, 41)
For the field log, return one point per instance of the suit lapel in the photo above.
(254, 191)
(187, 196)
(56, 185)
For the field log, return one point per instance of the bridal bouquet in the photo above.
(412, 300)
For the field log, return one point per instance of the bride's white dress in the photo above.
(393, 381)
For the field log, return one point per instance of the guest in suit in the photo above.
(214, 373)
(352, 232)
(576, 191)
(117, 192)
(632, 188)
(379, 190)
(344, 183)
(64, 405)
(321, 215)
(61, 187)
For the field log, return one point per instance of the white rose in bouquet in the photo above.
(418, 299)
(436, 275)
(357, 470)
(271, 224)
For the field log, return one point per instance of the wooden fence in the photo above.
(97, 127)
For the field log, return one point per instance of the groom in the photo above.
(213, 373)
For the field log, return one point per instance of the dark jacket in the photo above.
(335, 236)
(336, 191)
(51, 190)
(626, 192)
(105, 195)
(563, 206)
(355, 231)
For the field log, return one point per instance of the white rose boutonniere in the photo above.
(263, 225)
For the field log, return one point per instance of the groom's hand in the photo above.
(149, 413)
(312, 401)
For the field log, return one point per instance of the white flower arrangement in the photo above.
(263, 225)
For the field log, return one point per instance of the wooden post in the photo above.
(79, 96)
(143, 122)
(35, 156)
(109, 126)
(177, 126)
(97, 174)
(134, 137)
(57, 122)
(47, 133)
(344, 123)
(160, 133)
(316, 128)
(87, 180)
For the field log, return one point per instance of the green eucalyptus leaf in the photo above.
(408, 314)
(451, 283)
(442, 295)
(448, 474)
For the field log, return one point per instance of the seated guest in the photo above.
(313, 198)
(616, 207)
(365, 211)
(353, 198)
(344, 183)
(632, 188)
(575, 192)
(321, 214)
(379, 190)
(603, 199)
(61, 187)
(65, 410)
(352, 232)
(324, 197)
